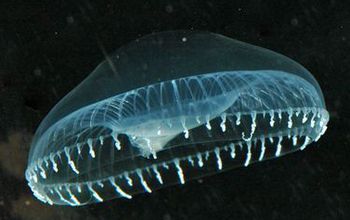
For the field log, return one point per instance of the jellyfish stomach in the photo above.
(150, 131)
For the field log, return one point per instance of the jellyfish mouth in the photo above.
(150, 146)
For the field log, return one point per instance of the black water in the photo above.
(47, 47)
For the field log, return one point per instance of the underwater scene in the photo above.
(174, 110)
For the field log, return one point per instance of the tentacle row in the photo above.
(143, 176)
(252, 147)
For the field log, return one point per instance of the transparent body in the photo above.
(170, 107)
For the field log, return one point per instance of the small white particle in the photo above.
(218, 158)
(179, 171)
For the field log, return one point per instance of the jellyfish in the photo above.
(170, 107)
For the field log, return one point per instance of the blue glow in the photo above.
(163, 110)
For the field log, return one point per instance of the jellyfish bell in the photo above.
(162, 110)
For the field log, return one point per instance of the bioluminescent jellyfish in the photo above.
(171, 107)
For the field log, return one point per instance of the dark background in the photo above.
(48, 47)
